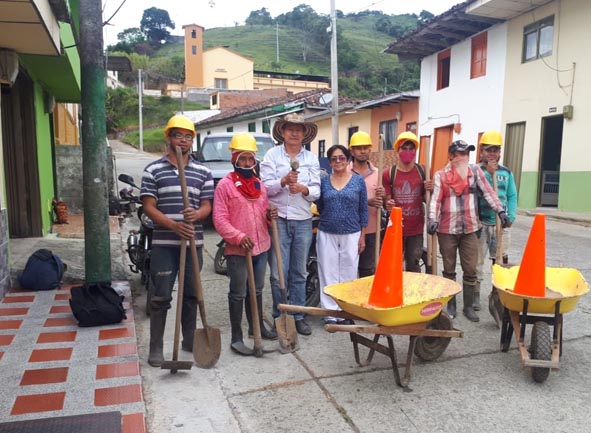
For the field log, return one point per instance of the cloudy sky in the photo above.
(225, 13)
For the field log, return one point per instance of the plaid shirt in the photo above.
(459, 214)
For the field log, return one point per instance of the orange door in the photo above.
(443, 138)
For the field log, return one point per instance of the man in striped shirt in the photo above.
(162, 200)
(453, 214)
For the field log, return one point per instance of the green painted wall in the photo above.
(44, 159)
(528, 190)
(572, 196)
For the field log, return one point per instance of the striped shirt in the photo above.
(458, 214)
(161, 180)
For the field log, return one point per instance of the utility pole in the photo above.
(140, 91)
(97, 246)
(334, 78)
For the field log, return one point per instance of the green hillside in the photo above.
(364, 70)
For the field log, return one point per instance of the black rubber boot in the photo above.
(476, 303)
(157, 324)
(468, 293)
(188, 323)
(266, 334)
(451, 307)
(237, 344)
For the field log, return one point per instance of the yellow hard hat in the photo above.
(180, 122)
(491, 138)
(360, 138)
(404, 137)
(243, 142)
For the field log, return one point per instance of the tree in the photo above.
(128, 39)
(425, 16)
(260, 17)
(154, 25)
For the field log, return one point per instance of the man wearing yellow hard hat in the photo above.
(491, 144)
(162, 200)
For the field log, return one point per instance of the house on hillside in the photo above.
(222, 69)
(488, 64)
(39, 67)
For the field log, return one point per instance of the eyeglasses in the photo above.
(179, 136)
(339, 158)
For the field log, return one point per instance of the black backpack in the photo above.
(43, 271)
(96, 304)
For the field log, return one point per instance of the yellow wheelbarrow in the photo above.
(420, 317)
(564, 287)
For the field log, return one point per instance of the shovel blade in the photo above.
(287, 333)
(175, 366)
(207, 345)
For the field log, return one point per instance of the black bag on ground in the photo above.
(43, 271)
(96, 304)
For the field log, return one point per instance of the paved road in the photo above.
(471, 387)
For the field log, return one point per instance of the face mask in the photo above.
(407, 156)
(247, 173)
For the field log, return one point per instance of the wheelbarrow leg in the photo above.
(506, 331)
(356, 340)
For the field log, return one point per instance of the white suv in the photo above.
(215, 153)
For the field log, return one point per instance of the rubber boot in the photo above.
(266, 334)
(468, 293)
(188, 323)
(477, 296)
(157, 324)
(237, 345)
(451, 308)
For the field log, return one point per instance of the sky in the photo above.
(226, 13)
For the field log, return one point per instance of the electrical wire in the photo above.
(114, 13)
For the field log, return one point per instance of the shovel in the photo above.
(495, 307)
(207, 342)
(176, 365)
(285, 324)
(254, 308)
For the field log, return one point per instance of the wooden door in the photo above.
(20, 159)
(443, 138)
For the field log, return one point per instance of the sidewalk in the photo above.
(50, 367)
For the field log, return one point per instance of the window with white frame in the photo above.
(538, 39)
(221, 83)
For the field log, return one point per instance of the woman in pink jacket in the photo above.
(241, 217)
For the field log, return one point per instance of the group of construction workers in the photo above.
(467, 202)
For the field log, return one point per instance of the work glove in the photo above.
(479, 233)
(505, 221)
(432, 227)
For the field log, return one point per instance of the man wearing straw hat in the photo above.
(291, 175)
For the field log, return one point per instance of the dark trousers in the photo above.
(467, 245)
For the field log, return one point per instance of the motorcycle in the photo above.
(139, 242)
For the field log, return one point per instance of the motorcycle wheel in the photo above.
(148, 296)
(312, 285)
(219, 263)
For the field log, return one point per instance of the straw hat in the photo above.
(310, 129)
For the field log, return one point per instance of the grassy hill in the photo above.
(372, 72)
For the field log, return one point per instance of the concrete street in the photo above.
(320, 388)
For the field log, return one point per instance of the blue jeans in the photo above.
(164, 267)
(238, 273)
(295, 238)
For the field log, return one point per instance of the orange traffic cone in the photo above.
(386, 290)
(531, 279)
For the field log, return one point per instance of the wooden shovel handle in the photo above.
(277, 249)
(498, 228)
(194, 259)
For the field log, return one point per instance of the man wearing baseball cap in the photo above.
(453, 215)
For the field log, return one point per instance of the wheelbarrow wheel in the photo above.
(431, 348)
(219, 262)
(541, 348)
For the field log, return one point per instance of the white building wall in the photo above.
(475, 103)
(542, 87)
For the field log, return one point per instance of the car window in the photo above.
(216, 148)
